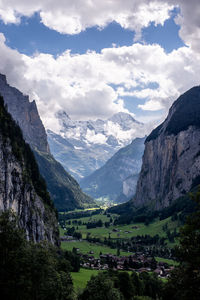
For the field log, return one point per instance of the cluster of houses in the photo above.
(137, 262)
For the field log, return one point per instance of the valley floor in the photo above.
(111, 246)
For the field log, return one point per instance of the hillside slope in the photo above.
(116, 180)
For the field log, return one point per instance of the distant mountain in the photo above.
(84, 146)
(116, 180)
(21, 187)
(171, 161)
(64, 190)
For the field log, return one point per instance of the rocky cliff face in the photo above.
(25, 114)
(171, 161)
(18, 184)
(64, 190)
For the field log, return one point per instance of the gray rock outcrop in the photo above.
(171, 161)
(26, 115)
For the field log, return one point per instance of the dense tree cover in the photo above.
(121, 285)
(94, 224)
(32, 271)
(148, 245)
(184, 282)
(11, 131)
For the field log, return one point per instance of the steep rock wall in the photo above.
(19, 180)
(171, 161)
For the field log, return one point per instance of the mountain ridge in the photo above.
(116, 179)
(84, 146)
(65, 192)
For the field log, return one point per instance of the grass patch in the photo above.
(81, 278)
(124, 231)
(168, 261)
(85, 247)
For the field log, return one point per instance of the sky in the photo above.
(95, 58)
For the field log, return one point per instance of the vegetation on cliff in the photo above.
(11, 132)
(187, 105)
(64, 189)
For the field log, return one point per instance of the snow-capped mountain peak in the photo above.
(121, 127)
(94, 141)
(121, 117)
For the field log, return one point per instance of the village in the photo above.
(138, 262)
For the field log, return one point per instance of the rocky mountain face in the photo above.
(84, 146)
(116, 180)
(25, 114)
(64, 190)
(21, 187)
(171, 161)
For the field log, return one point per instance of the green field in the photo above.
(85, 247)
(168, 261)
(124, 231)
(81, 278)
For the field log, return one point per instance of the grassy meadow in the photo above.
(124, 231)
(86, 247)
(81, 278)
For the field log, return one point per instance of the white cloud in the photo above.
(83, 85)
(151, 105)
(94, 138)
(189, 21)
(72, 17)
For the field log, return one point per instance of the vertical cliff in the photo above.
(171, 161)
(64, 190)
(21, 187)
(25, 114)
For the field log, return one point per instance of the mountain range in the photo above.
(116, 180)
(82, 147)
